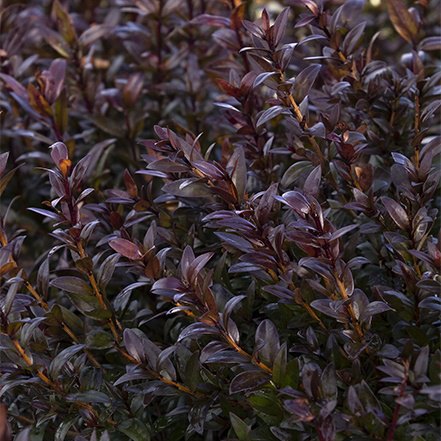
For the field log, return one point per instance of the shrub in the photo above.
(239, 236)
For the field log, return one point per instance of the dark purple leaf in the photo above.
(237, 169)
(62, 358)
(235, 241)
(353, 37)
(140, 347)
(269, 114)
(3, 162)
(261, 78)
(212, 20)
(197, 329)
(396, 212)
(106, 270)
(247, 381)
(167, 286)
(304, 81)
(421, 363)
(47, 213)
(430, 44)
(279, 26)
(312, 182)
(71, 284)
(230, 306)
(14, 85)
(342, 231)
(267, 343)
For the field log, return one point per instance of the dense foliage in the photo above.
(218, 221)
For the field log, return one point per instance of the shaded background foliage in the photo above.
(240, 235)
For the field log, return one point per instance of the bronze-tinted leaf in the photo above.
(402, 20)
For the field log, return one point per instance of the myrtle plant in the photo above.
(220, 220)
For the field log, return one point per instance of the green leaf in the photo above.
(135, 429)
(266, 401)
(89, 306)
(64, 23)
(192, 371)
(292, 374)
(241, 429)
(99, 340)
(279, 366)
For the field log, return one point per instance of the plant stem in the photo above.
(239, 350)
(158, 376)
(45, 306)
(344, 296)
(300, 118)
(114, 325)
(28, 361)
(395, 415)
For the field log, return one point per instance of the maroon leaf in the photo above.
(279, 26)
(197, 265)
(126, 248)
(58, 152)
(296, 201)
